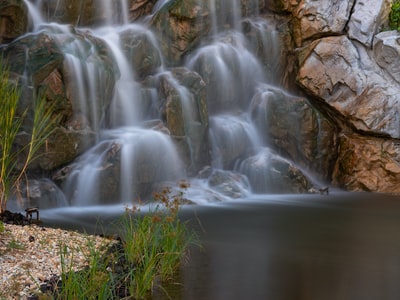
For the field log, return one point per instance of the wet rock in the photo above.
(41, 57)
(232, 138)
(141, 51)
(180, 25)
(184, 107)
(271, 41)
(139, 9)
(13, 218)
(228, 183)
(296, 130)
(13, 20)
(269, 173)
(78, 13)
(40, 193)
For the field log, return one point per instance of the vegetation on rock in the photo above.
(12, 167)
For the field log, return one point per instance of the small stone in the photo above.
(31, 238)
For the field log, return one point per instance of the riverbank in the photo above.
(30, 255)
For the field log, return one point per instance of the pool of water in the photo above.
(344, 246)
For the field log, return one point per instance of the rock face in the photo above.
(353, 77)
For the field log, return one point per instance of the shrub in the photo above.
(394, 16)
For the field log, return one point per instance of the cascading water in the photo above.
(134, 116)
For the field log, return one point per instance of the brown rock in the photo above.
(368, 164)
(13, 20)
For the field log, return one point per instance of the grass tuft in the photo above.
(151, 248)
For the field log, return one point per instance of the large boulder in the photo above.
(270, 173)
(296, 130)
(367, 19)
(185, 113)
(141, 50)
(13, 20)
(386, 52)
(314, 19)
(342, 74)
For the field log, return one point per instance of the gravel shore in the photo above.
(30, 255)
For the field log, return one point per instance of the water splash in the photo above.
(232, 137)
(123, 166)
(230, 70)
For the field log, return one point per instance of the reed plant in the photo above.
(91, 282)
(12, 170)
(155, 242)
(152, 246)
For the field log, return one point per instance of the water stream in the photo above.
(130, 126)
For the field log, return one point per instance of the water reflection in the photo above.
(293, 247)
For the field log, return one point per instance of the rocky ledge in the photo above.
(30, 256)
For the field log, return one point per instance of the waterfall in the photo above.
(151, 126)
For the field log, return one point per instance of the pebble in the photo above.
(29, 255)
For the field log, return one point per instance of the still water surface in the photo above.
(343, 246)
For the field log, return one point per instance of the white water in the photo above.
(226, 62)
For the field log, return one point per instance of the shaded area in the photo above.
(296, 248)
